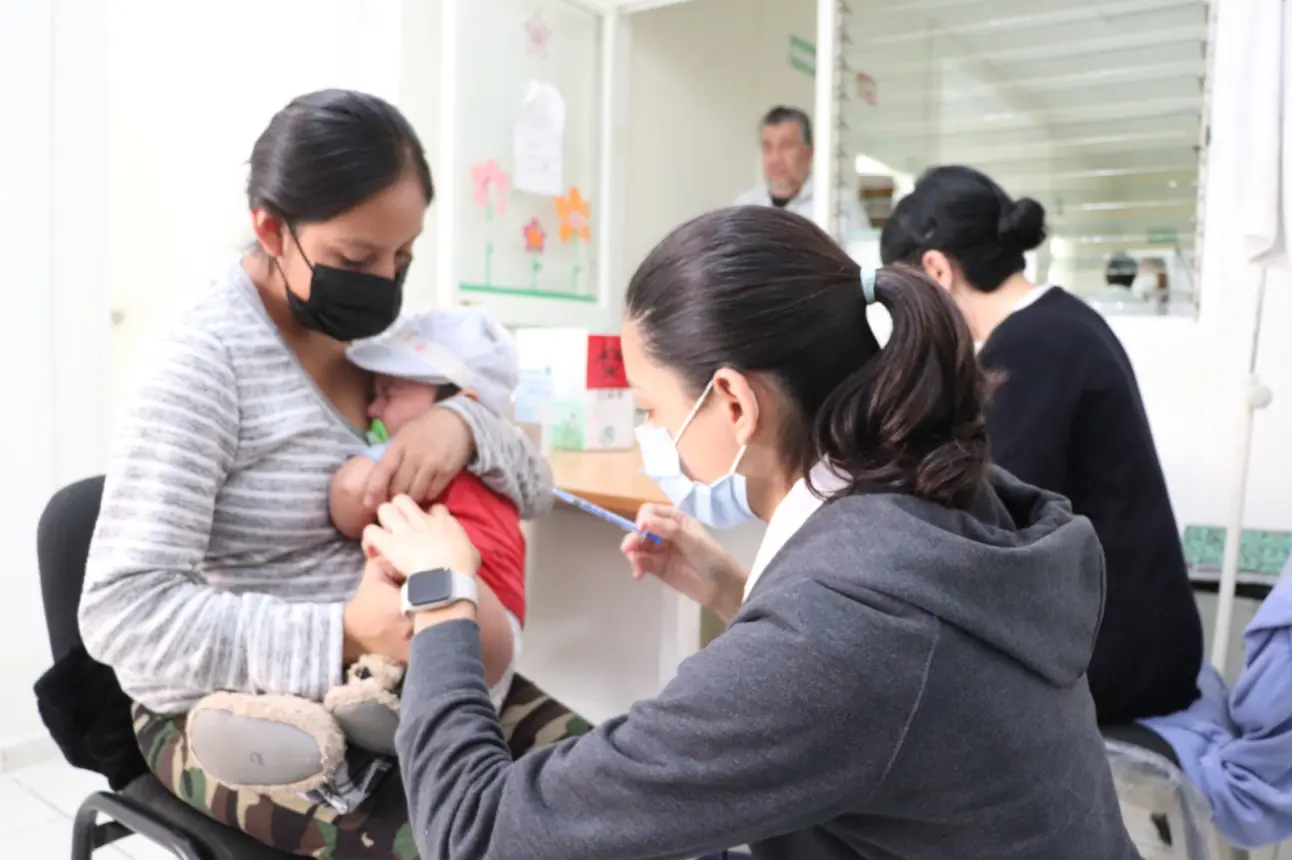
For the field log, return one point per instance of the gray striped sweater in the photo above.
(214, 564)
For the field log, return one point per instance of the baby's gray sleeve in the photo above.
(505, 458)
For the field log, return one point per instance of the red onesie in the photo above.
(492, 523)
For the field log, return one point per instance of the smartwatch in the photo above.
(435, 589)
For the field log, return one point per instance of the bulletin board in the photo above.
(527, 152)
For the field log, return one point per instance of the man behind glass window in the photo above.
(787, 170)
(1118, 297)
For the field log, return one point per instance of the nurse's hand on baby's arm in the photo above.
(687, 558)
(407, 539)
(345, 497)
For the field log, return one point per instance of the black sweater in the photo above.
(1068, 417)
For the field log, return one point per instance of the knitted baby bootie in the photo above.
(366, 707)
(266, 744)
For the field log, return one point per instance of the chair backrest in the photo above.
(1149, 782)
(62, 547)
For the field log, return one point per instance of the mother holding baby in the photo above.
(216, 566)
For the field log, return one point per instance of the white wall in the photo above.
(702, 75)
(180, 140)
(1191, 372)
(81, 105)
(26, 386)
(53, 220)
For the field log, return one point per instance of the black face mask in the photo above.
(346, 305)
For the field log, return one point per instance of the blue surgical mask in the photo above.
(723, 504)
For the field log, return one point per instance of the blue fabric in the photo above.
(374, 452)
(1236, 746)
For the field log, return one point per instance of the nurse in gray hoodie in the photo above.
(903, 677)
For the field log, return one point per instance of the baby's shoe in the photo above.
(266, 744)
(366, 707)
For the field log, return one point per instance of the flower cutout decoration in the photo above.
(535, 236)
(538, 34)
(576, 216)
(867, 90)
(491, 187)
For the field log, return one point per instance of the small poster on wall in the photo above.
(523, 235)
(540, 135)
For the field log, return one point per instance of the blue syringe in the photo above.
(601, 513)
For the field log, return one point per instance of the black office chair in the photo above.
(1147, 775)
(94, 729)
(89, 716)
(1148, 778)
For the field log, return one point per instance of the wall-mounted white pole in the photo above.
(446, 286)
(607, 194)
(827, 62)
(1255, 396)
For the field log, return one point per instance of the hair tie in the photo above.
(868, 284)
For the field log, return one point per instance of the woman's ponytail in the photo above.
(911, 418)
(770, 295)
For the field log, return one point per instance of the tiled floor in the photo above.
(36, 809)
(37, 804)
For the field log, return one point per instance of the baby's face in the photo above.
(395, 401)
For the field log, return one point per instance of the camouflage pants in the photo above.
(378, 829)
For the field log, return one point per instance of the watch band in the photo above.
(435, 589)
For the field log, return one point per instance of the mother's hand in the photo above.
(422, 458)
(687, 558)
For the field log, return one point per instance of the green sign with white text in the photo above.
(802, 56)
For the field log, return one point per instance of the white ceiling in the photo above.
(1092, 106)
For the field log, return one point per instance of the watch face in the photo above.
(430, 587)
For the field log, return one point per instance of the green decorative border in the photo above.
(525, 292)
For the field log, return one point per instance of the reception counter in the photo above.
(612, 479)
(594, 637)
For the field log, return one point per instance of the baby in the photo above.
(425, 359)
(336, 751)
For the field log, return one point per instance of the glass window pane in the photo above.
(511, 239)
(1093, 108)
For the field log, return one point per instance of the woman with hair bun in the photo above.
(903, 675)
(1068, 418)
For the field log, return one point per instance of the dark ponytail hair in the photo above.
(329, 151)
(768, 293)
(964, 214)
